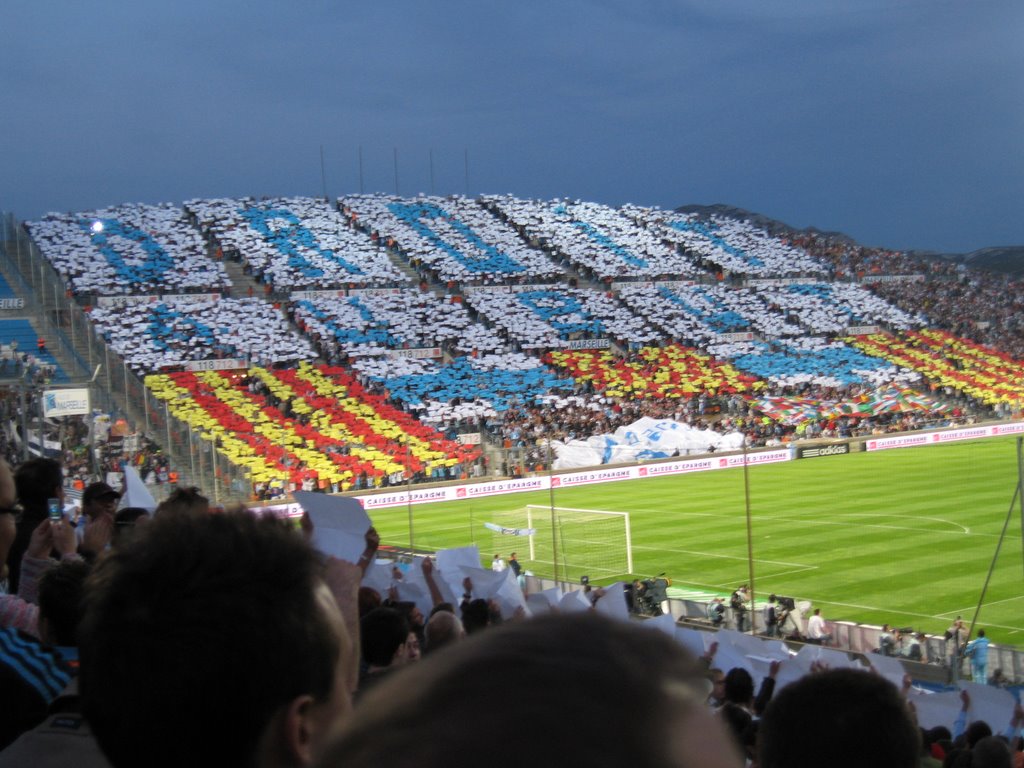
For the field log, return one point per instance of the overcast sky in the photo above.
(899, 122)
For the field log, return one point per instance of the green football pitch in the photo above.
(901, 536)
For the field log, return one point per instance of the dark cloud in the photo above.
(897, 123)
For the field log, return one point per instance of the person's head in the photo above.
(443, 628)
(369, 598)
(476, 615)
(99, 498)
(976, 731)
(384, 636)
(37, 480)
(512, 556)
(412, 614)
(717, 684)
(850, 718)
(187, 502)
(981, 633)
(602, 670)
(127, 522)
(817, 611)
(212, 640)
(991, 752)
(61, 602)
(739, 686)
(8, 532)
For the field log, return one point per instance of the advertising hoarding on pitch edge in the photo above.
(65, 402)
(813, 452)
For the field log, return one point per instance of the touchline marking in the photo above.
(771, 517)
(807, 521)
(906, 613)
(787, 573)
(744, 558)
(983, 605)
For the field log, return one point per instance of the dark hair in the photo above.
(61, 600)
(369, 598)
(977, 731)
(577, 670)
(196, 633)
(476, 615)
(36, 480)
(382, 632)
(184, 501)
(739, 686)
(125, 521)
(856, 718)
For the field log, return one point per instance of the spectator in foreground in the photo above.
(216, 640)
(575, 689)
(842, 718)
(37, 481)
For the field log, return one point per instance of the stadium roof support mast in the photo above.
(1018, 498)
(750, 530)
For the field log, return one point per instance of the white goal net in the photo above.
(585, 542)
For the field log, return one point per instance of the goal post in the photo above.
(588, 542)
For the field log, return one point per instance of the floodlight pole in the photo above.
(750, 531)
(551, 496)
(1020, 484)
(408, 483)
(1017, 496)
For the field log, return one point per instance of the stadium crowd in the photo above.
(293, 243)
(461, 352)
(128, 249)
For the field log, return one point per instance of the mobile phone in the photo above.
(54, 508)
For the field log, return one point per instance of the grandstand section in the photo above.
(538, 317)
(601, 242)
(151, 335)
(128, 249)
(369, 324)
(19, 349)
(453, 237)
(295, 243)
(728, 245)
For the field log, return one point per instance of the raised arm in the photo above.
(428, 576)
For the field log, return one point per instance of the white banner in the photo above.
(297, 295)
(191, 298)
(587, 344)
(225, 364)
(779, 281)
(65, 402)
(739, 336)
(510, 531)
(892, 279)
(125, 301)
(863, 330)
(421, 353)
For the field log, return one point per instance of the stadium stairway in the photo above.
(241, 283)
